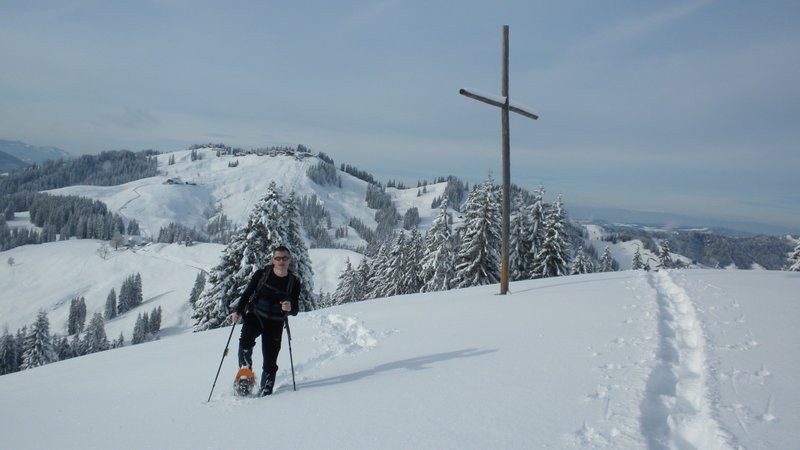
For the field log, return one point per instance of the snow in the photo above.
(691, 358)
(673, 359)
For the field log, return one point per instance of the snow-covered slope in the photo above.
(673, 359)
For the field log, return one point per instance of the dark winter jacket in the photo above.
(266, 291)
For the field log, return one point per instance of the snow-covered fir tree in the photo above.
(227, 280)
(8, 353)
(154, 324)
(77, 315)
(606, 261)
(141, 329)
(111, 305)
(375, 276)
(399, 272)
(197, 288)
(664, 257)
(536, 214)
(38, 346)
(794, 258)
(362, 275)
(552, 258)
(63, 348)
(581, 263)
(348, 287)
(301, 262)
(478, 256)
(130, 294)
(119, 342)
(520, 240)
(416, 249)
(437, 270)
(95, 339)
(636, 262)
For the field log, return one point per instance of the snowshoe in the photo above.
(244, 382)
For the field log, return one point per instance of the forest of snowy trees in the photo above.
(446, 258)
(35, 345)
(62, 217)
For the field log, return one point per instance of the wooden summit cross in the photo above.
(505, 106)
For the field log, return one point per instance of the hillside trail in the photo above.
(677, 410)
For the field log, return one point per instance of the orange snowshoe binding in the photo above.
(244, 382)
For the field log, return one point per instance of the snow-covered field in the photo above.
(671, 359)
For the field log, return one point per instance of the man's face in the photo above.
(281, 259)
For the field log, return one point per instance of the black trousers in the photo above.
(271, 332)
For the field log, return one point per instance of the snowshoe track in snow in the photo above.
(676, 411)
(337, 335)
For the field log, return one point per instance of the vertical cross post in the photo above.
(506, 221)
(505, 107)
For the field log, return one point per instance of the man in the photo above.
(271, 295)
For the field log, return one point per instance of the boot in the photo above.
(245, 357)
(267, 383)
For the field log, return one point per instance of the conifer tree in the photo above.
(227, 280)
(606, 261)
(636, 263)
(346, 290)
(140, 329)
(436, 268)
(478, 257)
(398, 277)
(154, 324)
(520, 241)
(361, 277)
(19, 339)
(197, 289)
(376, 273)
(8, 353)
(551, 259)
(535, 223)
(664, 257)
(111, 305)
(38, 347)
(581, 263)
(77, 346)
(137, 290)
(63, 348)
(794, 258)
(301, 262)
(95, 339)
(77, 315)
(119, 342)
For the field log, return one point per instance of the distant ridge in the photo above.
(30, 154)
(9, 163)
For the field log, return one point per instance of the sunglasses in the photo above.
(281, 258)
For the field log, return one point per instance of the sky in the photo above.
(686, 107)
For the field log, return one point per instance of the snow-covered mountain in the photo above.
(31, 154)
(184, 191)
(631, 359)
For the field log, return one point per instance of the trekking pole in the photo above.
(291, 359)
(224, 354)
